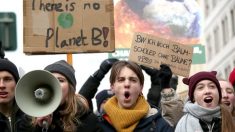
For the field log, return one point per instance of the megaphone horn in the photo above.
(38, 93)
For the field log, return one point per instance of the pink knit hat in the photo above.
(194, 79)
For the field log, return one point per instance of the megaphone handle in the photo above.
(44, 126)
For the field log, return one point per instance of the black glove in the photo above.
(174, 82)
(105, 66)
(153, 73)
(2, 53)
(154, 93)
(164, 75)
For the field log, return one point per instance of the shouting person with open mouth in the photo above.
(128, 110)
(204, 111)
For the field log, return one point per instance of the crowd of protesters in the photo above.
(122, 107)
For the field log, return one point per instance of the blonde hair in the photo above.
(233, 111)
(228, 124)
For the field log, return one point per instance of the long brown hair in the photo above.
(74, 108)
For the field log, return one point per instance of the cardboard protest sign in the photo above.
(74, 26)
(153, 51)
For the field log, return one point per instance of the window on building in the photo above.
(227, 71)
(225, 30)
(214, 2)
(216, 39)
(232, 21)
(234, 63)
(209, 48)
(207, 7)
(219, 74)
(8, 30)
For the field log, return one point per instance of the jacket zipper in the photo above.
(9, 119)
(211, 128)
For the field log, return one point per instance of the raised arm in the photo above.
(90, 87)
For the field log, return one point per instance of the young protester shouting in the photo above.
(128, 110)
(204, 111)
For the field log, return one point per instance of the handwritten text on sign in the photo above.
(153, 51)
(68, 26)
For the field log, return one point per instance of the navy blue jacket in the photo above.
(154, 123)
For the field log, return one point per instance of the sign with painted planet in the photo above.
(176, 20)
(71, 26)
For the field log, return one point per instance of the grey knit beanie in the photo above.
(63, 68)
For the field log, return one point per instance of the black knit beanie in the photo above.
(63, 68)
(101, 96)
(7, 65)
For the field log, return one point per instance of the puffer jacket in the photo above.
(18, 122)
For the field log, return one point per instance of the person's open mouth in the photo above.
(208, 99)
(226, 103)
(127, 94)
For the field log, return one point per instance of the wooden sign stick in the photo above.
(70, 58)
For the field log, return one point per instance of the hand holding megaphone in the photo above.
(44, 121)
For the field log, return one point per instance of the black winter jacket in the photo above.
(89, 123)
(89, 89)
(214, 126)
(18, 122)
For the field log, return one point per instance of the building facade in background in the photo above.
(219, 35)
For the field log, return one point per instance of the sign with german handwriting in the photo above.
(68, 26)
(153, 51)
